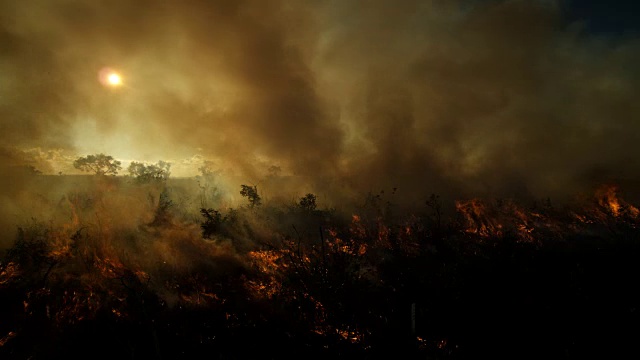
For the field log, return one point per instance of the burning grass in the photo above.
(300, 281)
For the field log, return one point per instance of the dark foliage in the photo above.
(212, 222)
(308, 202)
(163, 214)
(251, 193)
(145, 173)
(100, 164)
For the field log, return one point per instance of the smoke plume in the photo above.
(453, 97)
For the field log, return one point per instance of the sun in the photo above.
(114, 79)
(109, 77)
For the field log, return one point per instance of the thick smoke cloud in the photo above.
(452, 97)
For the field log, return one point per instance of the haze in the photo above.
(458, 97)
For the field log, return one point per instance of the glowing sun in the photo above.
(114, 79)
(109, 77)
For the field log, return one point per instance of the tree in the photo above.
(208, 183)
(100, 164)
(146, 173)
(274, 171)
(308, 202)
(251, 193)
(207, 170)
(163, 215)
(212, 221)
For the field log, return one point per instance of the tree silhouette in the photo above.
(100, 164)
(146, 173)
(308, 202)
(251, 193)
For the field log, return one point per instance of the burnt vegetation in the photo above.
(493, 278)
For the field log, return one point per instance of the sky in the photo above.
(605, 17)
(459, 96)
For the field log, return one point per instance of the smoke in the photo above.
(451, 97)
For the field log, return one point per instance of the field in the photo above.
(106, 267)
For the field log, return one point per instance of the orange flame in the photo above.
(477, 219)
(9, 271)
(608, 198)
(6, 339)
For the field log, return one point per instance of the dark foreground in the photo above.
(495, 280)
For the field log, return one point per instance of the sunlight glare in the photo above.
(109, 77)
(114, 79)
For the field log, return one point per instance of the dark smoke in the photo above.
(453, 97)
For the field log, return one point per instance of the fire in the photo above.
(77, 306)
(607, 204)
(8, 272)
(268, 263)
(607, 197)
(505, 218)
(6, 339)
(312, 275)
(477, 219)
(354, 245)
(358, 229)
(344, 334)
(265, 260)
(350, 335)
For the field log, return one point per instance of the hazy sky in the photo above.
(470, 96)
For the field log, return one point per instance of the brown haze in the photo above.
(450, 97)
